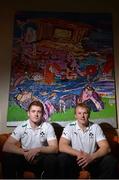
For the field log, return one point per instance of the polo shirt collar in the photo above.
(29, 125)
(78, 127)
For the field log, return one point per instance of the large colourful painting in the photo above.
(62, 59)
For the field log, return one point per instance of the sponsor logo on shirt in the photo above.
(42, 134)
(91, 135)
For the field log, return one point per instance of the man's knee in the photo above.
(110, 160)
(67, 166)
(66, 160)
(65, 156)
(50, 166)
(51, 158)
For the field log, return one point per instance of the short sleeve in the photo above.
(17, 133)
(67, 132)
(99, 134)
(50, 132)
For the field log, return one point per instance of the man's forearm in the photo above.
(12, 148)
(100, 152)
(68, 149)
(48, 149)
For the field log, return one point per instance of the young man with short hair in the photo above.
(84, 146)
(38, 146)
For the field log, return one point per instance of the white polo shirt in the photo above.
(83, 140)
(32, 138)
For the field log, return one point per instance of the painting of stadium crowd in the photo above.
(62, 59)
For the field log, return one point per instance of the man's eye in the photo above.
(33, 111)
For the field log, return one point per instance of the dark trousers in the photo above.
(44, 165)
(102, 168)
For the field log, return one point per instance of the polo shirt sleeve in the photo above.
(50, 133)
(17, 133)
(99, 134)
(67, 132)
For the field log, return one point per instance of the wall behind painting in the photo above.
(7, 11)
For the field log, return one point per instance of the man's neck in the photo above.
(35, 125)
(82, 126)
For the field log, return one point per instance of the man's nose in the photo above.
(36, 113)
(82, 115)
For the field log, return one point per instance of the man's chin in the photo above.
(36, 121)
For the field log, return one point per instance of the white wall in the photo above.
(7, 10)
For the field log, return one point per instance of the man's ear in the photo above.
(28, 113)
(89, 115)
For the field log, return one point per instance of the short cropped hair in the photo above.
(36, 103)
(82, 105)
